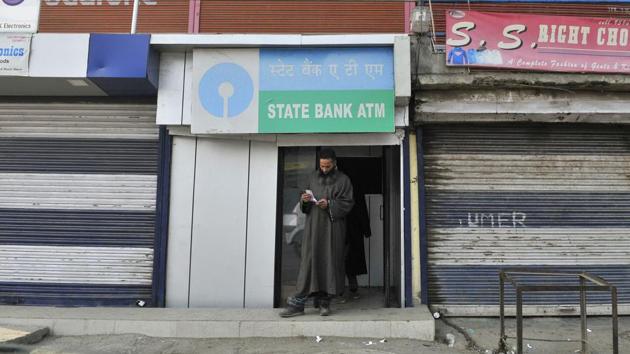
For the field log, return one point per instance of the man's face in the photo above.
(326, 165)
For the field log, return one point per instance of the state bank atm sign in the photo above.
(293, 90)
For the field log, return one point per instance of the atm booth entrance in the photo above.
(374, 173)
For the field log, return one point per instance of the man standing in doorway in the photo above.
(326, 202)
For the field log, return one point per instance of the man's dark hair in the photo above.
(327, 154)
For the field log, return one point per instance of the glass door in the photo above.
(297, 164)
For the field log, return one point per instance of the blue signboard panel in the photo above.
(326, 69)
(123, 64)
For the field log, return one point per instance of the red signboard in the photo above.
(533, 42)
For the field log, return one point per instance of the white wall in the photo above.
(217, 268)
(222, 223)
(261, 225)
(180, 221)
(59, 55)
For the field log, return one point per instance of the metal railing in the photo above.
(588, 282)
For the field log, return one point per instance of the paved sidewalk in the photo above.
(410, 323)
(22, 334)
(485, 333)
(138, 344)
(243, 331)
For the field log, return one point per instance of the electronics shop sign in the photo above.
(14, 53)
(537, 42)
(19, 16)
(294, 90)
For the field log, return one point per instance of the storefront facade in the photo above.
(81, 155)
(88, 171)
(97, 149)
(522, 167)
(232, 162)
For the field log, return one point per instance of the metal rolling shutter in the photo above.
(536, 196)
(302, 17)
(166, 16)
(77, 203)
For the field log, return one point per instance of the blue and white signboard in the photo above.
(15, 50)
(293, 90)
(323, 69)
(19, 15)
(225, 94)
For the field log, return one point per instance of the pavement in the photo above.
(12, 334)
(410, 323)
(139, 344)
(350, 329)
(552, 335)
(383, 330)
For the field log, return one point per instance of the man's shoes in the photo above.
(324, 309)
(291, 311)
(316, 302)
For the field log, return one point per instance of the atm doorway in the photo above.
(374, 172)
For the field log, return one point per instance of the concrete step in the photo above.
(410, 323)
(19, 334)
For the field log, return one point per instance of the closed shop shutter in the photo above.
(302, 17)
(534, 196)
(77, 203)
(109, 16)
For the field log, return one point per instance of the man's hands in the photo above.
(307, 198)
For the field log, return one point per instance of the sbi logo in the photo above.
(12, 2)
(226, 90)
